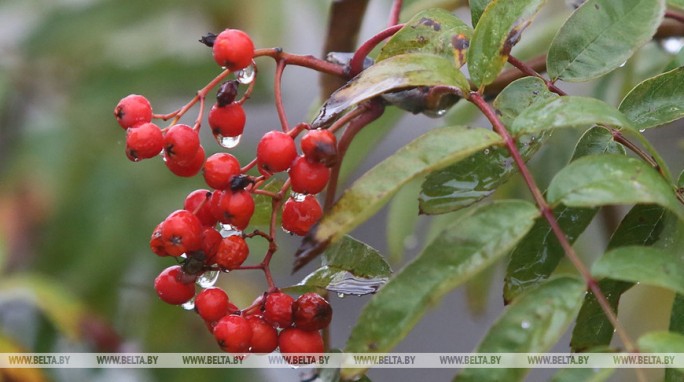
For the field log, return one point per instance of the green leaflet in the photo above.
(656, 101)
(662, 342)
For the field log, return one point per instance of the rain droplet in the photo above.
(486, 151)
(672, 45)
(246, 75)
(184, 256)
(525, 325)
(340, 295)
(190, 305)
(297, 196)
(208, 279)
(435, 113)
(227, 142)
(228, 230)
(642, 130)
(623, 64)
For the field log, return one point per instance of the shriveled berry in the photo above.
(181, 232)
(320, 146)
(233, 334)
(132, 110)
(233, 207)
(227, 121)
(144, 141)
(173, 287)
(232, 252)
(275, 152)
(212, 304)
(233, 49)
(300, 215)
(310, 311)
(278, 309)
(188, 169)
(295, 340)
(227, 92)
(264, 335)
(308, 177)
(219, 169)
(181, 143)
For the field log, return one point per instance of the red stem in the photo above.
(277, 89)
(395, 13)
(674, 16)
(356, 63)
(523, 67)
(309, 61)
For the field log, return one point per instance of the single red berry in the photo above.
(310, 311)
(219, 169)
(211, 239)
(264, 335)
(308, 177)
(295, 340)
(212, 304)
(299, 216)
(233, 49)
(232, 251)
(278, 309)
(227, 121)
(233, 334)
(144, 141)
(320, 146)
(173, 286)
(156, 241)
(181, 232)
(132, 110)
(185, 170)
(197, 202)
(233, 207)
(181, 143)
(275, 152)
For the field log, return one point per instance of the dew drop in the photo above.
(623, 64)
(525, 325)
(208, 279)
(297, 196)
(435, 113)
(246, 75)
(184, 256)
(228, 230)
(227, 142)
(642, 130)
(486, 151)
(340, 295)
(190, 305)
(672, 45)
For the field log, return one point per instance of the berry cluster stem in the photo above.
(356, 63)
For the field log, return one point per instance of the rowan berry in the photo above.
(233, 207)
(275, 152)
(310, 311)
(173, 287)
(132, 110)
(197, 202)
(144, 141)
(185, 170)
(212, 304)
(232, 251)
(300, 215)
(295, 340)
(264, 335)
(211, 238)
(156, 241)
(308, 177)
(278, 309)
(219, 169)
(181, 143)
(227, 121)
(233, 49)
(233, 334)
(181, 232)
(320, 146)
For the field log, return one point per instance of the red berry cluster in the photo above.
(208, 235)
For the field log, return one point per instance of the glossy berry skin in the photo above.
(275, 152)
(232, 251)
(181, 144)
(299, 216)
(212, 304)
(320, 146)
(308, 177)
(233, 207)
(278, 309)
(233, 334)
(295, 340)
(144, 141)
(172, 288)
(219, 169)
(310, 311)
(227, 121)
(233, 49)
(181, 232)
(157, 243)
(133, 110)
(211, 239)
(188, 169)
(264, 335)
(197, 202)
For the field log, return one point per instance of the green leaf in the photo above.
(477, 7)
(676, 326)
(520, 95)
(646, 265)
(431, 151)
(662, 342)
(531, 324)
(676, 4)
(395, 73)
(348, 267)
(600, 36)
(656, 101)
(467, 246)
(563, 112)
(263, 204)
(597, 180)
(402, 217)
(433, 31)
(583, 375)
(497, 31)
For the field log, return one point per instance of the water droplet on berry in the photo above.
(525, 325)
(228, 142)
(297, 196)
(228, 230)
(246, 75)
(208, 279)
(340, 295)
(190, 305)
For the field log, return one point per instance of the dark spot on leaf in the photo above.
(513, 38)
(431, 23)
(597, 6)
(460, 42)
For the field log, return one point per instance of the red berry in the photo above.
(211, 239)
(233, 334)
(144, 141)
(299, 216)
(185, 170)
(212, 304)
(181, 232)
(294, 340)
(264, 336)
(197, 202)
(232, 251)
(181, 144)
(219, 169)
(278, 309)
(233, 207)
(133, 110)
(157, 243)
(275, 152)
(173, 286)
(310, 311)
(227, 121)
(320, 146)
(233, 49)
(308, 177)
